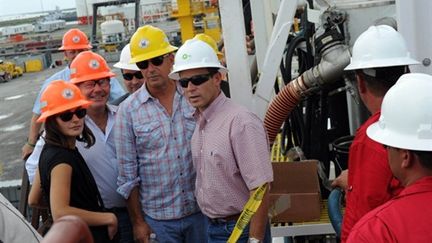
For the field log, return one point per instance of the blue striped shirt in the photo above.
(154, 153)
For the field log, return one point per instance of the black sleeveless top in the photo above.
(84, 193)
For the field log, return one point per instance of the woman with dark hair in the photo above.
(64, 178)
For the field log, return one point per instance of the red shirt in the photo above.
(370, 180)
(406, 218)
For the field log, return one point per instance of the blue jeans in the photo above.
(219, 232)
(191, 228)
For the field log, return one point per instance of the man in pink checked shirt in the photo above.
(230, 150)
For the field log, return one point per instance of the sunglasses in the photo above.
(195, 80)
(129, 76)
(157, 61)
(67, 116)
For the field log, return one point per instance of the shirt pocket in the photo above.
(150, 136)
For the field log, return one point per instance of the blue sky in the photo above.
(10, 7)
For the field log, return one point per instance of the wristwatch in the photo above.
(254, 240)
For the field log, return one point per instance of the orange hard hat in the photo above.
(75, 39)
(60, 96)
(89, 66)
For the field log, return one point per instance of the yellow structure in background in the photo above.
(187, 12)
(33, 65)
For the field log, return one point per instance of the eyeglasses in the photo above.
(129, 76)
(67, 116)
(156, 61)
(195, 80)
(103, 83)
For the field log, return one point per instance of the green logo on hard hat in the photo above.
(186, 56)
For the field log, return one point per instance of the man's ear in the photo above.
(361, 85)
(407, 158)
(217, 78)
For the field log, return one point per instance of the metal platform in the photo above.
(321, 227)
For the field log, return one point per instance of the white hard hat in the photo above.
(406, 114)
(195, 54)
(125, 57)
(380, 46)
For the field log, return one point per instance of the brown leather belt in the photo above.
(224, 219)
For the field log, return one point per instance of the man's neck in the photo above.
(99, 117)
(165, 95)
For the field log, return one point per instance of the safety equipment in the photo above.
(75, 39)
(211, 42)
(60, 96)
(89, 66)
(125, 57)
(406, 118)
(149, 42)
(380, 46)
(195, 54)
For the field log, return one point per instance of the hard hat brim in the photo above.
(398, 140)
(153, 54)
(389, 62)
(60, 109)
(95, 76)
(126, 66)
(175, 74)
(76, 47)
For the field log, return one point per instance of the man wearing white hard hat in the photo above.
(132, 76)
(379, 58)
(405, 130)
(229, 147)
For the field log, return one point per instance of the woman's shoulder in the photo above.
(52, 154)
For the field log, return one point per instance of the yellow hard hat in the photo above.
(149, 42)
(211, 42)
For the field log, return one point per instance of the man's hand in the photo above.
(142, 232)
(341, 181)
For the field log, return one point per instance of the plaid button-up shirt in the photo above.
(154, 153)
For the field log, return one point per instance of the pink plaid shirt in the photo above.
(231, 155)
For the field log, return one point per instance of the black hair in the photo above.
(55, 137)
(425, 158)
(383, 79)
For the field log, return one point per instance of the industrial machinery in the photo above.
(302, 47)
(301, 90)
(8, 71)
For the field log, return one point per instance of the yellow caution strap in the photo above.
(249, 210)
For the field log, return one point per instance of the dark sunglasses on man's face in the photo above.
(129, 76)
(195, 80)
(156, 61)
(67, 116)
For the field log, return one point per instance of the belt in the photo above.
(224, 219)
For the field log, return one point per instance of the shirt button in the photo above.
(181, 174)
(350, 188)
(178, 157)
(183, 191)
(175, 138)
